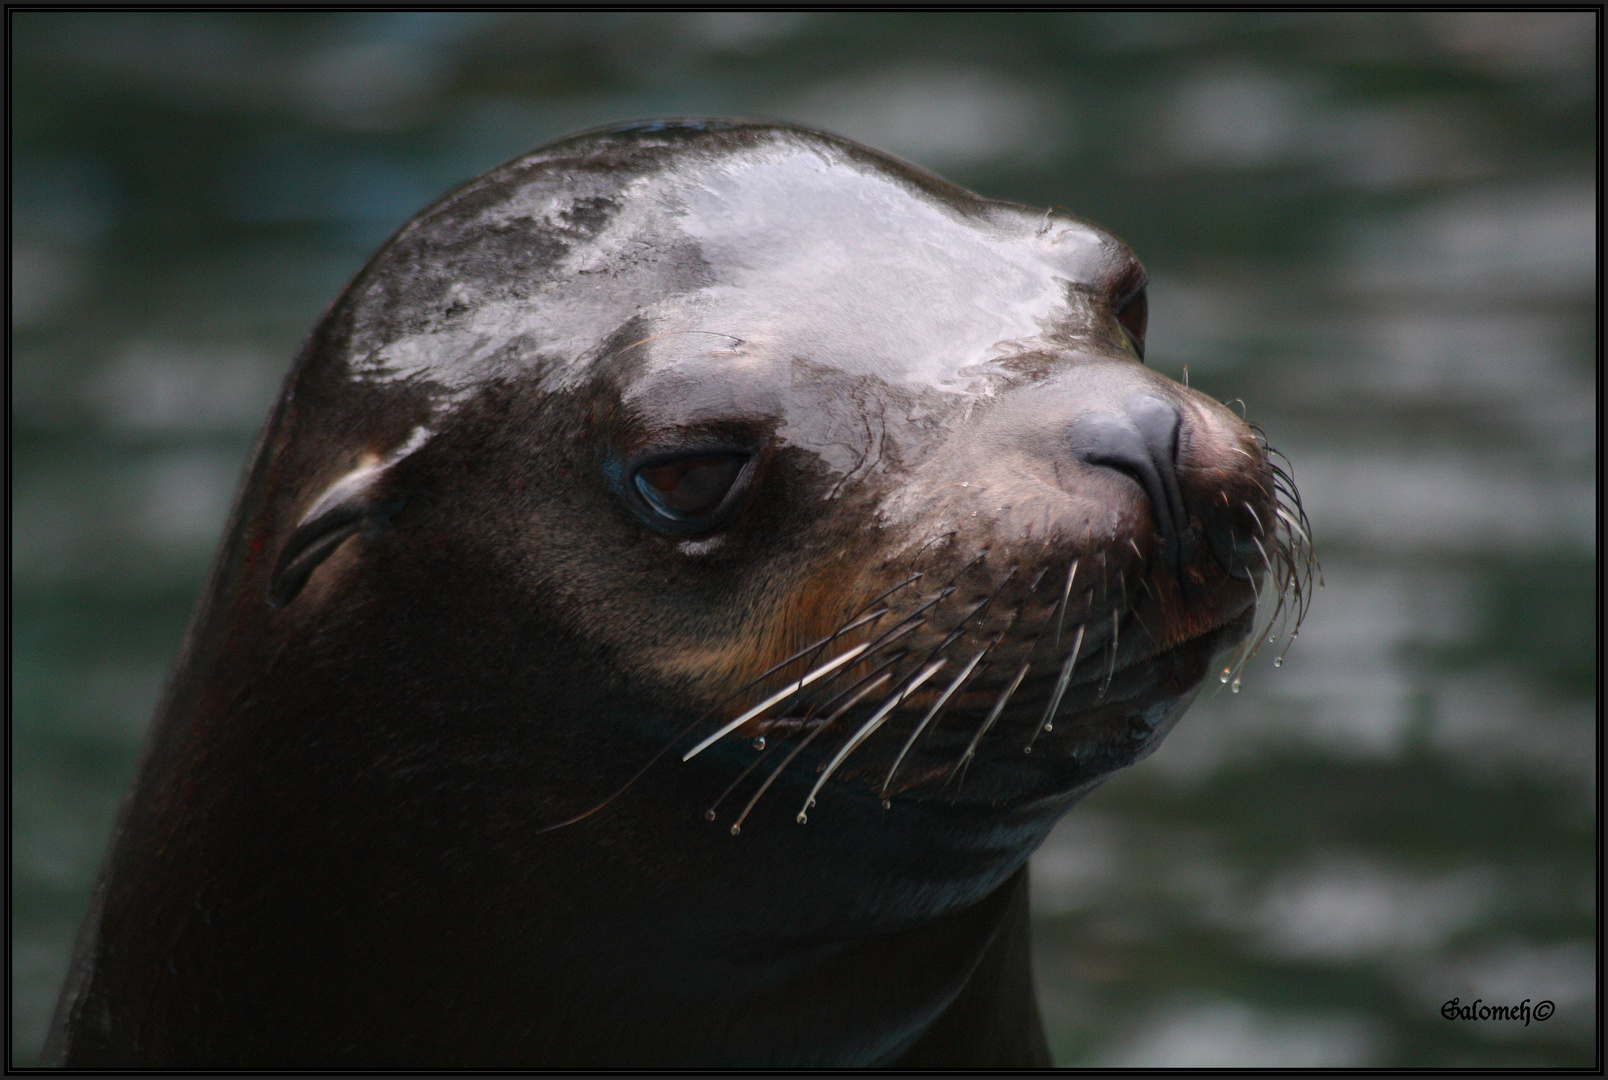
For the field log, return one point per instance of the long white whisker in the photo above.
(943, 699)
(999, 707)
(1066, 596)
(804, 681)
(868, 727)
(1295, 526)
(805, 741)
(1060, 688)
(1111, 669)
(1260, 528)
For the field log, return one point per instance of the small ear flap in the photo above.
(348, 507)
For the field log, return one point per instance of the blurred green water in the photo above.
(1379, 230)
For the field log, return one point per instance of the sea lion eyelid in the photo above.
(1133, 313)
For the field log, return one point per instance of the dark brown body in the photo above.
(407, 802)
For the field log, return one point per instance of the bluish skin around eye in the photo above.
(613, 470)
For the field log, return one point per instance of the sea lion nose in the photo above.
(1142, 441)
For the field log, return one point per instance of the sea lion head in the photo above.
(722, 435)
(673, 471)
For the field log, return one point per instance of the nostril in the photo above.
(1159, 422)
(1141, 441)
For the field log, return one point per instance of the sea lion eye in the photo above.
(689, 488)
(1133, 313)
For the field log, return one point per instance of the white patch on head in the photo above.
(700, 547)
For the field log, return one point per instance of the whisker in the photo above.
(922, 550)
(980, 557)
(1268, 564)
(1111, 669)
(909, 623)
(1266, 630)
(1134, 615)
(1235, 662)
(1296, 585)
(1283, 492)
(1295, 525)
(822, 706)
(624, 787)
(974, 612)
(1270, 630)
(860, 618)
(1291, 563)
(943, 699)
(709, 814)
(866, 729)
(1285, 485)
(1278, 661)
(1293, 528)
(960, 627)
(1299, 531)
(1279, 471)
(1060, 689)
(692, 726)
(993, 714)
(1252, 644)
(1032, 586)
(1066, 596)
(900, 628)
(1302, 596)
(769, 780)
(824, 669)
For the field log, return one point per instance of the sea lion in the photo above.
(688, 571)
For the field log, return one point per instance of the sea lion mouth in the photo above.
(1002, 741)
(1020, 691)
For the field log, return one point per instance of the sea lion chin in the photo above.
(675, 473)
